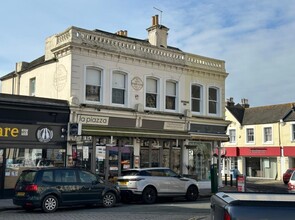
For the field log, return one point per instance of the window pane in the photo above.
(170, 102)
(151, 100)
(196, 91)
(293, 126)
(92, 93)
(212, 107)
(151, 86)
(32, 86)
(196, 105)
(212, 94)
(171, 88)
(93, 77)
(118, 80)
(118, 96)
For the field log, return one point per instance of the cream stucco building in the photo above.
(133, 102)
(262, 139)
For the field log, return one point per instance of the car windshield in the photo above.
(27, 176)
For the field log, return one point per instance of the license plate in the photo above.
(123, 183)
(20, 194)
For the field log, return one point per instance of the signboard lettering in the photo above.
(9, 132)
(97, 120)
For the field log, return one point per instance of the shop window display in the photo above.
(18, 159)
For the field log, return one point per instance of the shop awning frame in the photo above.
(132, 132)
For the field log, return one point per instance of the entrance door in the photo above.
(116, 160)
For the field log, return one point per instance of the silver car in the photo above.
(151, 183)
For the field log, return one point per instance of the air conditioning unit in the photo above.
(139, 107)
(187, 113)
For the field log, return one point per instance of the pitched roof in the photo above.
(263, 114)
(33, 64)
(237, 111)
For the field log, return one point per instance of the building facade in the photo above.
(32, 134)
(261, 139)
(134, 103)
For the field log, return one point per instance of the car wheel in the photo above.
(192, 193)
(149, 195)
(49, 204)
(109, 200)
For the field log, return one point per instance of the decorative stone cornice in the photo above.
(129, 50)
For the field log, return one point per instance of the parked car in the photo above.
(291, 183)
(287, 175)
(52, 187)
(151, 183)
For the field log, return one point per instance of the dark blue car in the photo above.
(50, 188)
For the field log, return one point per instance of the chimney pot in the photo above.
(156, 19)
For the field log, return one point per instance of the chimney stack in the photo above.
(245, 103)
(157, 33)
(122, 33)
(230, 102)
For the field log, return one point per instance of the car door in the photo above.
(91, 188)
(176, 184)
(67, 184)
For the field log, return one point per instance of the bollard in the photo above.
(225, 181)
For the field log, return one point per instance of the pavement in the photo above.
(204, 188)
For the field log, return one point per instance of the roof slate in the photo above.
(263, 114)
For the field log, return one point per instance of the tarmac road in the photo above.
(266, 185)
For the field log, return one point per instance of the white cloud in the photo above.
(255, 38)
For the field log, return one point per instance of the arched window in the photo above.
(93, 84)
(213, 100)
(196, 96)
(171, 95)
(119, 88)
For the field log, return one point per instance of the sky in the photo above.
(255, 38)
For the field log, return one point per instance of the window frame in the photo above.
(175, 96)
(100, 70)
(264, 135)
(235, 136)
(157, 94)
(247, 137)
(200, 99)
(125, 89)
(217, 101)
(292, 131)
(32, 88)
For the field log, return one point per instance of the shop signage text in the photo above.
(174, 126)
(97, 120)
(9, 132)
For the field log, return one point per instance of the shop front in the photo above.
(204, 149)
(108, 145)
(32, 134)
(260, 161)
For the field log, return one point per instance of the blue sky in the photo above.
(256, 38)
